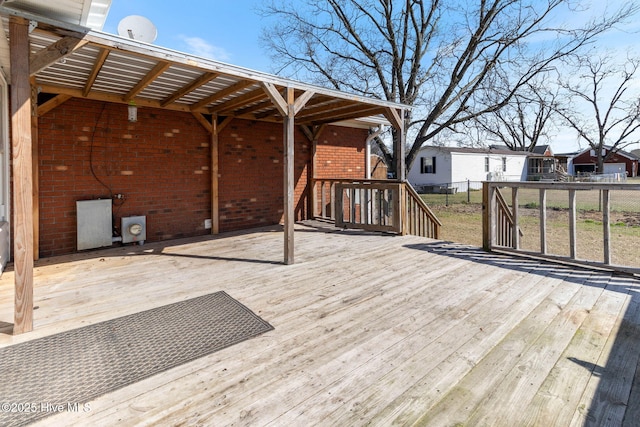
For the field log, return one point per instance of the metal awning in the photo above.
(74, 61)
(63, 61)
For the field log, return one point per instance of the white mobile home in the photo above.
(446, 166)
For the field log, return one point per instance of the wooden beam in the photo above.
(202, 80)
(302, 101)
(224, 123)
(203, 121)
(242, 84)
(255, 107)
(22, 174)
(55, 52)
(228, 108)
(324, 108)
(97, 66)
(107, 97)
(345, 114)
(52, 103)
(394, 117)
(159, 68)
(278, 101)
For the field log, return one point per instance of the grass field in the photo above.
(462, 222)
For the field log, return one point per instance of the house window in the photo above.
(504, 164)
(486, 164)
(427, 165)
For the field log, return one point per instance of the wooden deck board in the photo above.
(369, 329)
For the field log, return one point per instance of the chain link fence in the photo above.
(448, 193)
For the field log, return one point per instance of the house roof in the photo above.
(622, 153)
(497, 151)
(541, 149)
(73, 61)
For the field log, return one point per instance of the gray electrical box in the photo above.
(94, 223)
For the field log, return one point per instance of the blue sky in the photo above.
(224, 30)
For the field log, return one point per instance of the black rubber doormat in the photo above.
(64, 372)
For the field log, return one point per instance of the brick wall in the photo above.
(161, 164)
(89, 150)
(251, 174)
(341, 153)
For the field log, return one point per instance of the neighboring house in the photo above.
(620, 162)
(442, 166)
(565, 162)
(542, 164)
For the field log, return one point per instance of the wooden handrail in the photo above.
(499, 220)
(376, 205)
(420, 219)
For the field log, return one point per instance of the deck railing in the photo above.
(375, 205)
(419, 218)
(501, 221)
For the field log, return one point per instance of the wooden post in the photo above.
(22, 153)
(289, 177)
(313, 197)
(36, 169)
(485, 216)
(606, 224)
(399, 149)
(488, 229)
(543, 221)
(572, 224)
(516, 219)
(215, 166)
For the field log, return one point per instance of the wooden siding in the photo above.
(369, 329)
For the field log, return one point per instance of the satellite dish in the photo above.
(137, 27)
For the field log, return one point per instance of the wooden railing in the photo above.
(419, 219)
(375, 205)
(500, 221)
(506, 224)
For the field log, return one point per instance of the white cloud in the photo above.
(201, 47)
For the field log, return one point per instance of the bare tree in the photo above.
(605, 108)
(452, 60)
(524, 122)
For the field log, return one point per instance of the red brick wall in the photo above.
(251, 174)
(161, 165)
(341, 153)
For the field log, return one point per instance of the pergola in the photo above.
(68, 61)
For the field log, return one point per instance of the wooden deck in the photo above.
(369, 329)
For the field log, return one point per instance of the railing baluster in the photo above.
(606, 223)
(332, 198)
(543, 221)
(516, 224)
(572, 224)
(323, 198)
